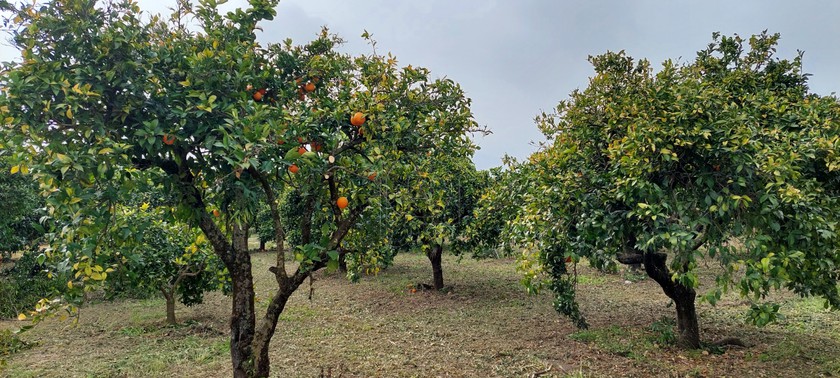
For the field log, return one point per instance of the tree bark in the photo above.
(234, 253)
(342, 260)
(262, 245)
(434, 255)
(683, 297)
(268, 325)
(687, 324)
(170, 307)
(242, 319)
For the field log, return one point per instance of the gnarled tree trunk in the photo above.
(434, 254)
(683, 297)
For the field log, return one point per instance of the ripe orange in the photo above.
(300, 139)
(301, 150)
(294, 168)
(357, 119)
(309, 87)
(258, 96)
(216, 213)
(341, 202)
(168, 139)
(316, 146)
(249, 87)
(280, 141)
(372, 176)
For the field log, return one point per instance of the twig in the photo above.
(541, 372)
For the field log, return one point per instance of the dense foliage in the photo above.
(727, 158)
(21, 209)
(27, 282)
(103, 94)
(155, 253)
(442, 197)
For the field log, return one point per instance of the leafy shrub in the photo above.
(20, 205)
(663, 331)
(163, 250)
(26, 283)
(11, 343)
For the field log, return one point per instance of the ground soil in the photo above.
(482, 325)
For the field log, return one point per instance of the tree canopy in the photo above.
(103, 94)
(726, 158)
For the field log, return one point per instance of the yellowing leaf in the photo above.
(15, 169)
(69, 113)
(24, 169)
(69, 284)
(21, 317)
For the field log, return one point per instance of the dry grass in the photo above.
(485, 326)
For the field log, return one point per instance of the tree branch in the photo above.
(279, 235)
(338, 235)
(192, 197)
(344, 147)
(333, 198)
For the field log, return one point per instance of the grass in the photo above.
(483, 326)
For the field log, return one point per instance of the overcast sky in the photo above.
(516, 58)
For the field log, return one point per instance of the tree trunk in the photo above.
(689, 329)
(342, 260)
(242, 319)
(266, 329)
(434, 255)
(262, 245)
(170, 306)
(249, 344)
(683, 297)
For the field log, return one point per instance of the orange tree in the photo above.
(100, 95)
(155, 253)
(727, 158)
(443, 189)
(500, 202)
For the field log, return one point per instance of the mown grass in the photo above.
(483, 326)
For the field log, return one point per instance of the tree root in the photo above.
(422, 286)
(733, 341)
